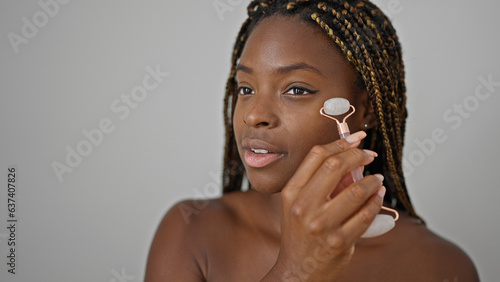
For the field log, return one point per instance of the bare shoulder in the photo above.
(170, 255)
(178, 251)
(434, 257)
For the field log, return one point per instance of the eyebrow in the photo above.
(284, 69)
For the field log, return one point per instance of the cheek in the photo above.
(237, 121)
(355, 123)
(315, 130)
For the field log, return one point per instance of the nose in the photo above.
(261, 113)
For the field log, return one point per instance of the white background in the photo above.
(97, 224)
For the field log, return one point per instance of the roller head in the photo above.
(336, 106)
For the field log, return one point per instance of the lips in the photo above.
(258, 153)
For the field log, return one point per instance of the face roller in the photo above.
(338, 106)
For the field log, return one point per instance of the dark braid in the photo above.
(369, 42)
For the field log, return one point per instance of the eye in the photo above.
(299, 90)
(243, 90)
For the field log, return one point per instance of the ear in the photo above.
(367, 115)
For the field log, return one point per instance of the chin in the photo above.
(266, 190)
(266, 185)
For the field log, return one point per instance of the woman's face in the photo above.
(287, 70)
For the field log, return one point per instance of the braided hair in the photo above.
(367, 39)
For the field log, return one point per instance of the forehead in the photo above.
(284, 40)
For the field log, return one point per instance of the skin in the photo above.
(303, 218)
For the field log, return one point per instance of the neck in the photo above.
(271, 207)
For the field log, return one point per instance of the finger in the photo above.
(316, 157)
(344, 183)
(352, 199)
(359, 223)
(332, 171)
(344, 231)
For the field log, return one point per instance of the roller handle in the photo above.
(356, 173)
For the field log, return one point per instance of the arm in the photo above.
(172, 257)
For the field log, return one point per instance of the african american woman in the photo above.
(303, 215)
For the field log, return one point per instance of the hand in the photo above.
(324, 212)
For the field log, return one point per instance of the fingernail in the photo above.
(371, 153)
(355, 137)
(381, 192)
(380, 177)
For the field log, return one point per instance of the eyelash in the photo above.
(293, 89)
